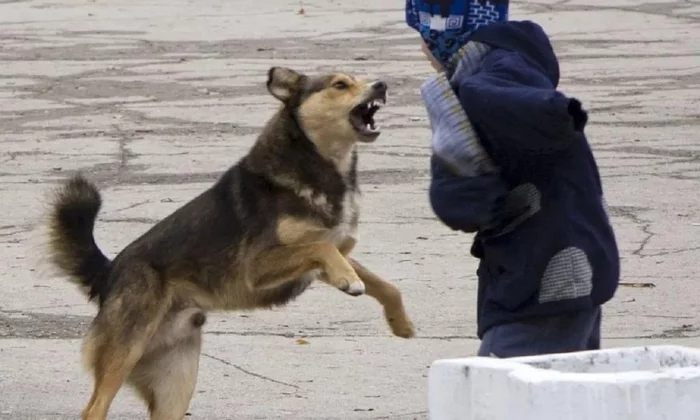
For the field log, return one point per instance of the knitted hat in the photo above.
(445, 25)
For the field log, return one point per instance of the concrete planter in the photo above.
(641, 383)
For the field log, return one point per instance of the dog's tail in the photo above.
(72, 248)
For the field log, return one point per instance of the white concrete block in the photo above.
(640, 383)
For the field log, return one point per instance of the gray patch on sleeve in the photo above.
(568, 275)
(524, 193)
(520, 197)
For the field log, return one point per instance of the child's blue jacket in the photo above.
(561, 254)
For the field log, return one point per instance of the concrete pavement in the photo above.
(155, 99)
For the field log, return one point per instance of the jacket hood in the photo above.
(524, 37)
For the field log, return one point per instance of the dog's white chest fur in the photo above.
(347, 228)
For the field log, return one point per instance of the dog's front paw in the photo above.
(401, 326)
(354, 287)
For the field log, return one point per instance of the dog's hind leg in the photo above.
(167, 374)
(389, 297)
(118, 338)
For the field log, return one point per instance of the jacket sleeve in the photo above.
(464, 203)
(517, 108)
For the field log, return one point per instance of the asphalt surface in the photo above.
(155, 99)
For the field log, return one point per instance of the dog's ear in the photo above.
(283, 83)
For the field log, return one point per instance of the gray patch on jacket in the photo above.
(568, 275)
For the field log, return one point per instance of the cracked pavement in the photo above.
(155, 100)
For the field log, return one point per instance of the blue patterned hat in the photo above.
(445, 25)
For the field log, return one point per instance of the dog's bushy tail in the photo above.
(72, 248)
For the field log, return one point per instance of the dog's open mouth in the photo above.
(362, 116)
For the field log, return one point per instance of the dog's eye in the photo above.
(340, 85)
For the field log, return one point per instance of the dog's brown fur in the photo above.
(283, 216)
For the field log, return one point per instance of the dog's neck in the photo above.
(343, 155)
(328, 169)
(340, 153)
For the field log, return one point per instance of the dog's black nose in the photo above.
(380, 86)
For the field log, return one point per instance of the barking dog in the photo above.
(283, 216)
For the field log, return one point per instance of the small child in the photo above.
(511, 162)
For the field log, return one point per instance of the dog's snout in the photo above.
(380, 86)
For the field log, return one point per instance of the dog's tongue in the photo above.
(357, 121)
(363, 119)
(363, 127)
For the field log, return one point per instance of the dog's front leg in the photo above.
(286, 263)
(390, 298)
(386, 293)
